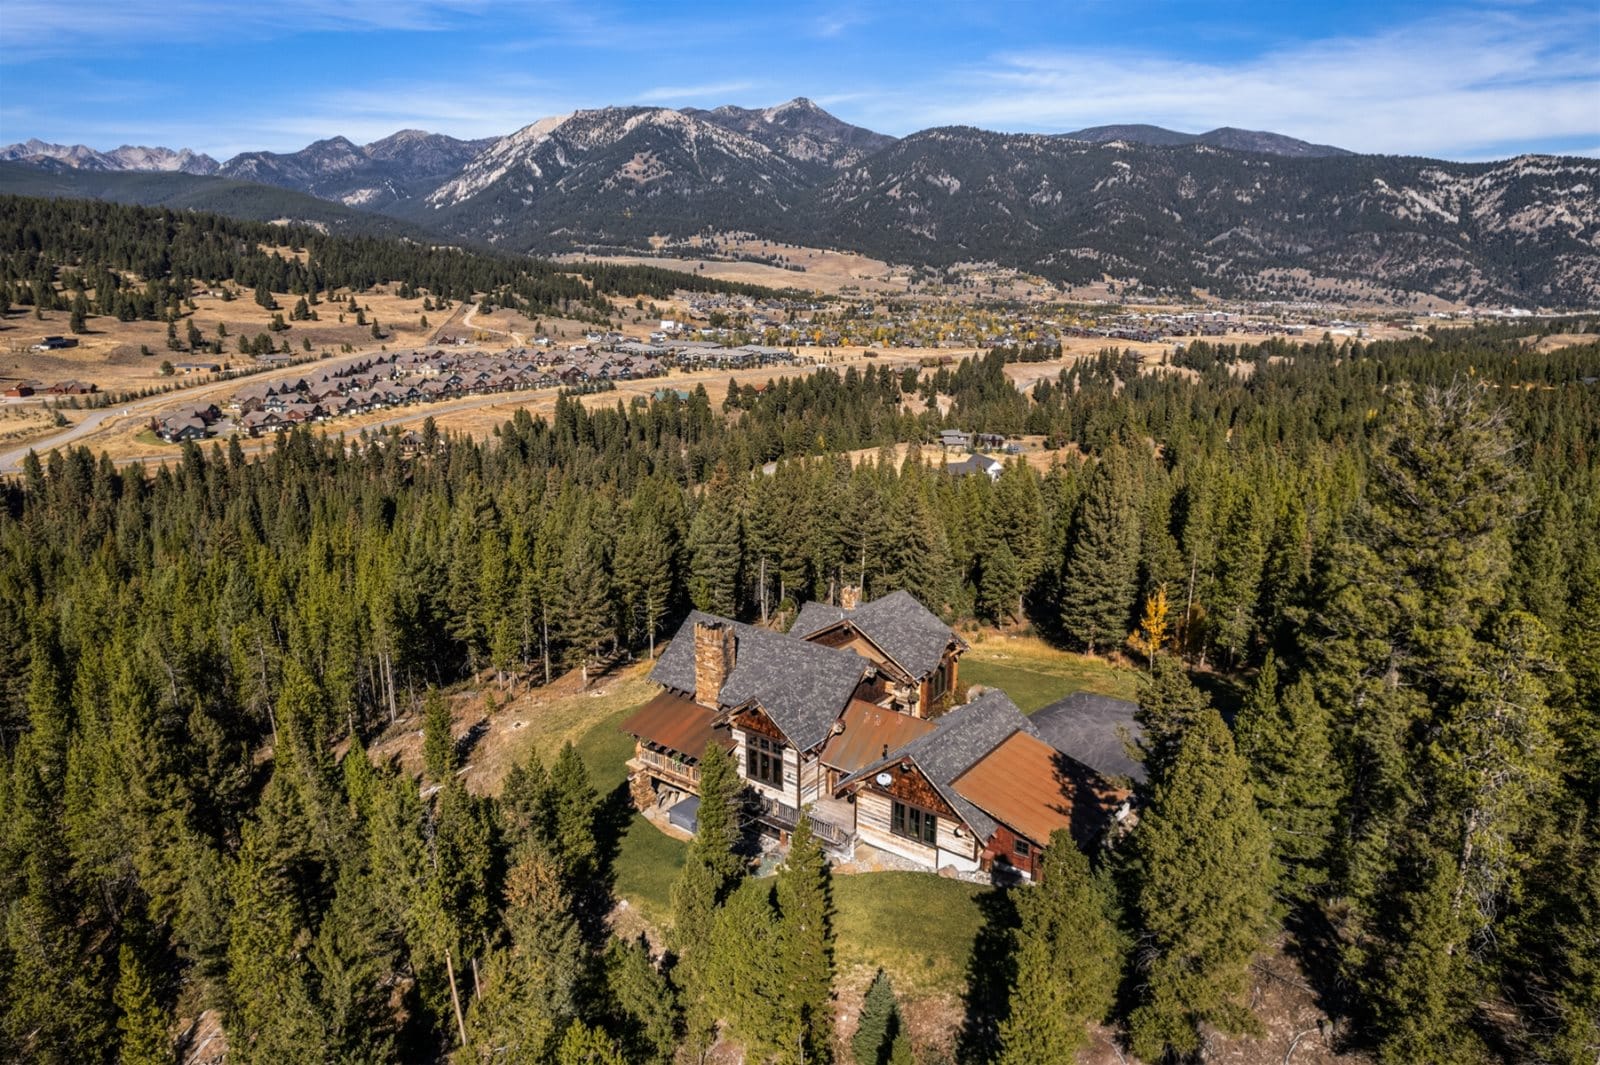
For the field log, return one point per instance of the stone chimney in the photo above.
(850, 596)
(714, 649)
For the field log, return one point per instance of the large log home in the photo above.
(841, 717)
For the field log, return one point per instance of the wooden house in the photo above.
(915, 653)
(839, 718)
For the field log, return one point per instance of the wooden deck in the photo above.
(827, 823)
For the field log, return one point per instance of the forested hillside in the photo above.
(84, 244)
(1393, 551)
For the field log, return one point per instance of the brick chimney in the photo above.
(850, 596)
(714, 649)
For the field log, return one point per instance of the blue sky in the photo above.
(1456, 81)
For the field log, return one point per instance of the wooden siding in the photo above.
(872, 825)
(964, 845)
(790, 792)
(910, 786)
(813, 780)
(754, 720)
(1002, 849)
(874, 810)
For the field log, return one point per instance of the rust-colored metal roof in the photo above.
(868, 731)
(673, 723)
(1034, 789)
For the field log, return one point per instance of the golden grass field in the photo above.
(108, 354)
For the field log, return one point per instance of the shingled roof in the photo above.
(1090, 728)
(962, 737)
(908, 632)
(803, 687)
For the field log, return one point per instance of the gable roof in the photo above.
(974, 464)
(867, 732)
(1089, 728)
(1034, 789)
(803, 687)
(906, 631)
(958, 740)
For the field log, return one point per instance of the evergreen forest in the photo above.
(1361, 581)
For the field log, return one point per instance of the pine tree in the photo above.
(715, 547)
(583, 1045)
(50, 714)
(1285, 740)
(741, 978)
(142, 1025)
(1099, 579)
(527, 806)
(50, 982)
(646, 1006)
(1068, 963)
(1203, 896)
(1169, 704)
(533, 987)
(576, 805)
(718, 824)
(879, 1023)
(805, 950)
(1001, 592)
(438, 745)
(356, 960)
(710, 873)
(586, 600)
(273, 1011)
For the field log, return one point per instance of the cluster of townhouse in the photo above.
(23, 389)
(189, 423)
(393, 379)
(847, 717)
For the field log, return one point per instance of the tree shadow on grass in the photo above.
(991, 975)
(612, 816)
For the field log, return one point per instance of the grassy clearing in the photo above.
(546, 718)
(1035, 674)
(647, 863)
(917, 927)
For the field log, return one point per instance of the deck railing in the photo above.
(665, 763)
(782, 815)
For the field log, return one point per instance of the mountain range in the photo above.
(1231, 211)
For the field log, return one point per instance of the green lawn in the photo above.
(1034, 680)
(647, 864)
(917, 927)
(605, 750)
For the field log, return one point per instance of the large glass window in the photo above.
(764, 760)
(912, 823)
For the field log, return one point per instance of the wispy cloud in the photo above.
(1442, 86)
(717, 90)
(32, 29)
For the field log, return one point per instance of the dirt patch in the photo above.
(1557, 341)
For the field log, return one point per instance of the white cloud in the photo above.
(715, 90)
(1450, 87)
(33, 29)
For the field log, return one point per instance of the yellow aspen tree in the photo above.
(1151, 634)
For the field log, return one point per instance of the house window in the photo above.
(912, 823)
(764, 760)
(1022, 848)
